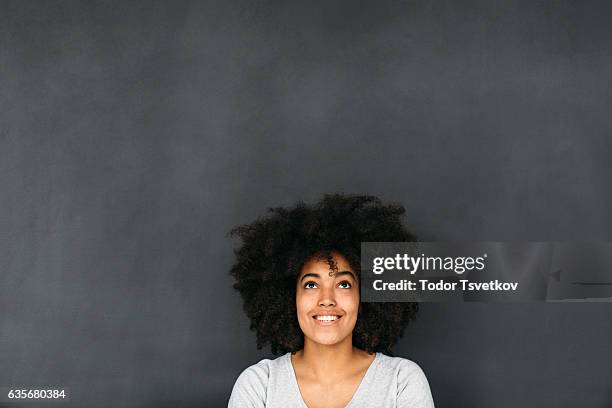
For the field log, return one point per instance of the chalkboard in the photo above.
(135, 135)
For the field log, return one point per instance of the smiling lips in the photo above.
(327, 319)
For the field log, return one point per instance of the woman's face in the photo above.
(327, 305)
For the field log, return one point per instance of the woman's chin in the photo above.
(329, 340)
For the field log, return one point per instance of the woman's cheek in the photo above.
(304, 301)
(349, 299)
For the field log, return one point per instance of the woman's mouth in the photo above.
(327, 320)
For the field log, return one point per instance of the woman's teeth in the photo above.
(327, 318)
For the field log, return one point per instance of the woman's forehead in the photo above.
(324, 258)
(321, 265)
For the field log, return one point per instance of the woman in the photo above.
(298, 273)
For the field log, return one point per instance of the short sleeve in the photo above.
(250, 387)
(412, 387)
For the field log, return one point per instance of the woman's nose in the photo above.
(327, 302)
(327, 298)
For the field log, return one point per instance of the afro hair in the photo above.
(275, 247)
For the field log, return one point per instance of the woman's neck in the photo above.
(328, 362)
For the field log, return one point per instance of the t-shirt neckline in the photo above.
(356, 394)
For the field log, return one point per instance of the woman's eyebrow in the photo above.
(312, 275)
(316, 275)
(342, 273)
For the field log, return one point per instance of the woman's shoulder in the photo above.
(399, 364)
(251, 385)
(263, 368)
(411, 381)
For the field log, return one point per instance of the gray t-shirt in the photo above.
(389, 382)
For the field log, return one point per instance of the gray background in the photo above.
(135, 135)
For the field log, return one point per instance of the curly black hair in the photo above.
(274, 249)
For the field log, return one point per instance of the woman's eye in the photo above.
(344, 285)
(310, 285)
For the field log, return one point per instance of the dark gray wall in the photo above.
(135, 135)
